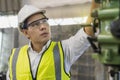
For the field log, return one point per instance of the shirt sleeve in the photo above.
(74, 47)
(7, 75)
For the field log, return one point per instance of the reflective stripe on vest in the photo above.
(57, 62)
(14, 60)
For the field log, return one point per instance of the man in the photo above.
(43, 59)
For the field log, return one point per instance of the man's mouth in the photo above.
(44, 34)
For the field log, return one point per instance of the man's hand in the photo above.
(89, 30)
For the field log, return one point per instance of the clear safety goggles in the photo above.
(38, 22)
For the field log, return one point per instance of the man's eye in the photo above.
(35, 24)
(44, 21)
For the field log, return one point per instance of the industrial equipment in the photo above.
(107, 19)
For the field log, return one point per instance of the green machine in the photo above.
(107, 19)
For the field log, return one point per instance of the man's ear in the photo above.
(25, 32)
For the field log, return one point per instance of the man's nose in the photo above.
(42, 27)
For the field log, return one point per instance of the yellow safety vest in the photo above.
(51, 65)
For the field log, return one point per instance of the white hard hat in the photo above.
(27, 11)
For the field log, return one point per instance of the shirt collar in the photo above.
(44, 47)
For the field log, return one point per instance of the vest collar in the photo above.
(44, 47)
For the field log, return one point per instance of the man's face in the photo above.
(38, 30)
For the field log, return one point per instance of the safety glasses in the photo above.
(38, 22)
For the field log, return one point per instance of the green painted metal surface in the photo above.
(110, 46)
